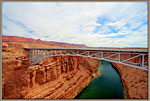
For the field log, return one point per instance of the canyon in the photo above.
(135, 81)
(60, 77)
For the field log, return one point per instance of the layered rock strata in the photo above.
(61, 77)
(31, 40)
(135, 81)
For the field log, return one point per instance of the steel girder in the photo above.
(132, 58)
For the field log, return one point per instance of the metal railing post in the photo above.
(119, 57)
(140, 61)
(102, 54)
(38, 54)
(143, 60)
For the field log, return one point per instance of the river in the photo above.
(107, 86)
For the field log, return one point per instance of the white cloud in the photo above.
(118, 24)
(74, 22)
(93, 24)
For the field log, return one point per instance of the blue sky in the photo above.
(97, 24)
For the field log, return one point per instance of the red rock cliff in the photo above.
(61, 77)
(31, 40)
(135, 81)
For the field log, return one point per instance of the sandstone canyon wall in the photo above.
(61, 77)
(135, 81)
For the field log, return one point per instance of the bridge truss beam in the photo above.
(133, 59)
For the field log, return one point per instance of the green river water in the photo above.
(107, 86)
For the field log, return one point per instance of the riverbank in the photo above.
(107, 86)
(135, 81)
(96, 74)
(124, 89)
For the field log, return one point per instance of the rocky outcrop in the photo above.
(4, 45)
(31, 40)
(135, 81)
(14, 72)
(61, 77)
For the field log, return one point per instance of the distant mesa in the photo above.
(31, 40)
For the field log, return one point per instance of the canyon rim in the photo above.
(75, 50)
(59, 77)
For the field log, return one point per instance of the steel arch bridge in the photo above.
(137, 58)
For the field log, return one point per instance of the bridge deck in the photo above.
(96, 49)
(137, 58)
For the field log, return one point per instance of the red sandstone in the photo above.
(30, 40)
(59, 77)
(135, 81)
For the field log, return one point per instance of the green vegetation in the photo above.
(96, 73)
(125, 92)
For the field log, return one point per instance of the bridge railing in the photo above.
(133, 58)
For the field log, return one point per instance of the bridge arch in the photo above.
(117, 56)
